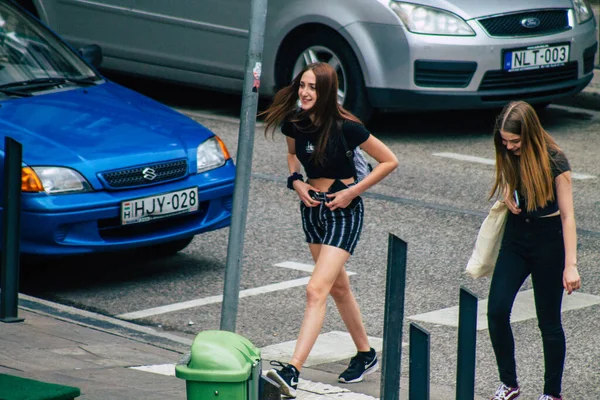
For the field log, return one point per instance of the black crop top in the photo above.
(558, 164)
(336, 164)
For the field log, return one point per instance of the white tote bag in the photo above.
(487, 245)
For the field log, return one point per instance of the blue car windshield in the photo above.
(30, 53)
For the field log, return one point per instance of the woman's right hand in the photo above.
(302, 189)
(509, 200)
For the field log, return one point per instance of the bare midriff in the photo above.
(322, 184)
(554, 214)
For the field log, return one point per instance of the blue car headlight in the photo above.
(53, 180)
(429, 20)
(211, 154)
(583, 10)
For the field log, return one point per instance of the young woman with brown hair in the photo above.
(315, 126)
(533, 175)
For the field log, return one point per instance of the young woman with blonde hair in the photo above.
(332, 211)
(533, 175)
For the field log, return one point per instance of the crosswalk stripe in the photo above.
(219, 298)
(523, 309)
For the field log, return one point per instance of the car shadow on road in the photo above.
(43, 276)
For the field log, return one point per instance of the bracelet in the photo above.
(294, 177)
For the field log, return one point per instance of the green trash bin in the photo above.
(221, 365)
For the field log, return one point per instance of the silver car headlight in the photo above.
(583, 10)
(211, 154)
(429, 20)
(57, 180)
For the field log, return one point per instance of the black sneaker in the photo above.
(360, 365)
(286, 377)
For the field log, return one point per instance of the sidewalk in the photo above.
(98, 355)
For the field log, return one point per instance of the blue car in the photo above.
(104, 168)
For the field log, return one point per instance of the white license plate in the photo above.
(535, 57)
(164, 205)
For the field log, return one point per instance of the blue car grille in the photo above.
(549, 21)
(138, 176)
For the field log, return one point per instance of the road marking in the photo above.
(329, 347)
(219, 298)
(302, 267)
(212, 299)
(523, 309)
(307, 390)
(488, 161)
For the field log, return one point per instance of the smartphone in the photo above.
(517, 199)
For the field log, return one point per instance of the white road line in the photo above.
(307, 390)
(219, 298)
(302, 267)
(212, 299)
(523, 309)
(488, 161)
(330, 347)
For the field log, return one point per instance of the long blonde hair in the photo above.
(530, 172)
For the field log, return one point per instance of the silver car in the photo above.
(390, 55)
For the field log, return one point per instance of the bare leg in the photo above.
(346, 305)
(349, 310)
(329, 263)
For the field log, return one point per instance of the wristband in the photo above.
(294, 177)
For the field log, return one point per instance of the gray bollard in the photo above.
(11, 232)
(467, 339)
(418, 375)
(393, 317)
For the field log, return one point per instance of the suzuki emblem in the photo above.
(149, 174)
(530, 22)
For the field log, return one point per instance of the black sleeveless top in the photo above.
(558, 165)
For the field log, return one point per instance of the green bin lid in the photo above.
(218, 356)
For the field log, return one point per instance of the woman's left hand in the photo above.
(341, 199)
(571, 280)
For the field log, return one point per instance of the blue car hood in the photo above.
(98, 128)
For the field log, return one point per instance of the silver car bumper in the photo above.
(422, 72)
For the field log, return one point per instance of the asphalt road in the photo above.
(433, 202)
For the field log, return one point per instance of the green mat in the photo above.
(16, 388)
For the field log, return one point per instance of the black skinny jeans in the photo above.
(530, 246)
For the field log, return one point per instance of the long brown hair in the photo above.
(323, 115)
(530, 172)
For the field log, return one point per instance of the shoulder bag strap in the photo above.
(349, 153)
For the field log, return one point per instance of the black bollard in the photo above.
(418, 375)
(467, 339)
(11, 217)
(393, 317)
(268, 389)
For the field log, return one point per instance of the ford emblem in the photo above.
(530, 22)
(149, 174)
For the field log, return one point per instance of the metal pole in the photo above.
(467, 338)
(418, 374)
(9, 300)
(231, 292)
(392, 320)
